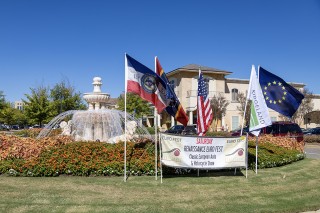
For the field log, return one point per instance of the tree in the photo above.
(305, 107)
(3, 106)
(2, 100)
(135, 104)
(20, 118)
(242, 99)
(37, 107)
(6, 114)
(10, 115)
(219, 106)
(65, 98)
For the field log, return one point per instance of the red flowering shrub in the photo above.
(18, 147)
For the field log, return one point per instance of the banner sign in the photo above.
(203, 152)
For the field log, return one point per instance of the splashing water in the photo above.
(104, 125)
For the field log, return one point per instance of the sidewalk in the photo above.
(312, 150)
(318, 211)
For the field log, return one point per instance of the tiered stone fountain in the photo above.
(97, 123)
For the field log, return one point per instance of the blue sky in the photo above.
(45, 42)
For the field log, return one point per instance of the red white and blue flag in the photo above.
(146, 83)
(204, 112)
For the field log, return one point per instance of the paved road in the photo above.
(312, 150)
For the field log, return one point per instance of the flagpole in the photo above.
(125, 119)
(244, 115)
(245, 109)
(160, 157)
(155, 130)
(257, 139)
(247, 155)
(256, 154)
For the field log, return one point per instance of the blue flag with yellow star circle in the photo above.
(279, 95)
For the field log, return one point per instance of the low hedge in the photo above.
(33, 133)
(270, 155)
(221, 133)
(311, 138)
(102, 159)
(30, 133)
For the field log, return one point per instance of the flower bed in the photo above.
(60, 155)
(271, 155)
(20, 147)
(286, 142)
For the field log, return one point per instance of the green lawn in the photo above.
(291, 188)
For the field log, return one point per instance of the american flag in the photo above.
(204, 109)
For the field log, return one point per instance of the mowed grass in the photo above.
(291, 188)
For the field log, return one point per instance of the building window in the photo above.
(235, 122)
(234, 93)
(206, 80)
(173, 84)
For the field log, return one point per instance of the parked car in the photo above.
(236, 132)
(284, 128)
(36, 126)
(189, 130)
(15, 127)
(305, 131)
(4, 127)
(314, 131)
(277, 129)
(176, 129)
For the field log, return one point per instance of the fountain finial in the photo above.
(97, 82)
(96, 100)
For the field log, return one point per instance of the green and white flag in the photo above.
(259, 116)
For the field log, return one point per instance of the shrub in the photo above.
(221, 133)
(270, 155)
(151, 130)
(312, 138)
(86, 158)
(19, 147)
(55, 157)
(31, 133)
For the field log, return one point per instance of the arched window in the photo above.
(234, 93)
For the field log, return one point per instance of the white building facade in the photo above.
(184, 80)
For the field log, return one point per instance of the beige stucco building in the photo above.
(184, 80)
(18, 105)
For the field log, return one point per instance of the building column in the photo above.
(190, 117)
(159, 120)
(223, 123)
